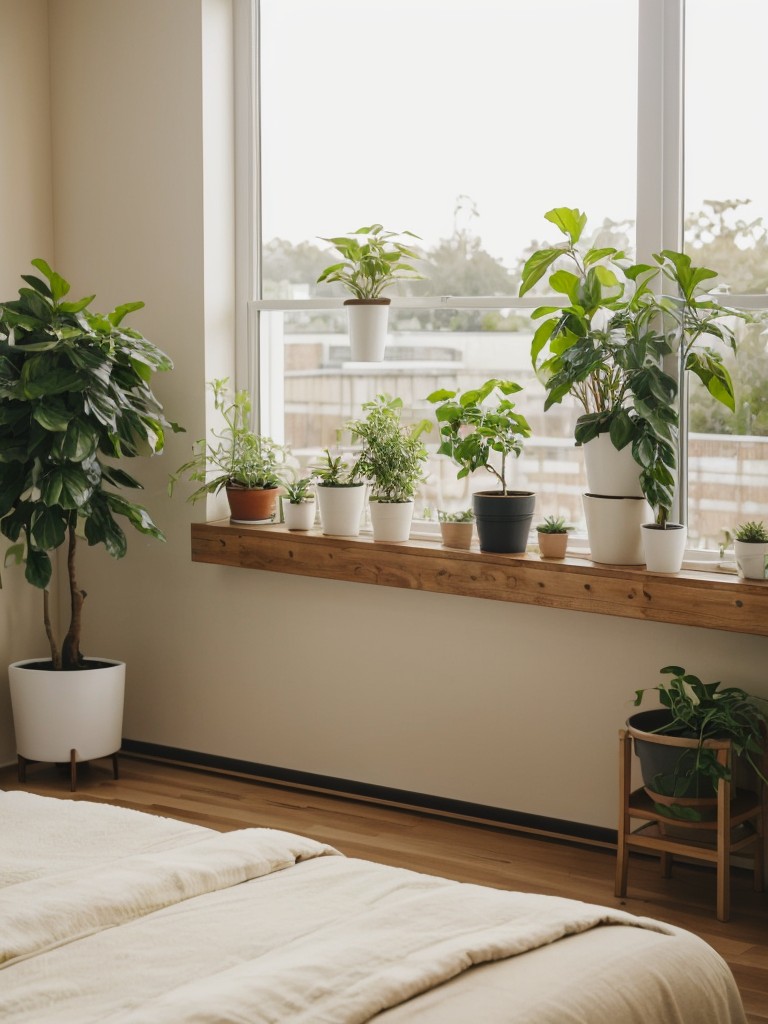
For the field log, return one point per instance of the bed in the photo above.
(119, 917)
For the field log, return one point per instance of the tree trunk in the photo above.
(70, 649)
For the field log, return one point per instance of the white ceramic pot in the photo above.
(391, 520)
(751, 559)
(613, 526)
(664, 549)
(299, 517)
(609, 471)
(341, 509)
(57, 712)
(368, 319)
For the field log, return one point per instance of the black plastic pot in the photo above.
(503, 520)
(662, 765)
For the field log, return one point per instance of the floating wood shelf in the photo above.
(711, 600)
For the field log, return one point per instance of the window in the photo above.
(464, 121)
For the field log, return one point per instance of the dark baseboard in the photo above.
(474, 814)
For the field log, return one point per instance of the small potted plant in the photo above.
(682, 780)
(750, 545)
(477, 434)
(76, 399)
(298, 502)
(553, 537)
(392, 460)
(456, 528)
(372, 259)
(340, 495)
(245, 464)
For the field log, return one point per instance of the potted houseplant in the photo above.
(75, 396)
(750, 545)
(340, 495)
(553, 537)
(478, 434)
(298, 502)
(456, 528)
(602, 347)
(693, 315)
(372, 259)
(682, 780)
(392, 460)
(245, 464)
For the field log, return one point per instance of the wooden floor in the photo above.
(488, 855)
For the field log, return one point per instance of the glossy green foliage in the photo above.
(393, 455)
(372, 259)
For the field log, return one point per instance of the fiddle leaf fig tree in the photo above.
(75, 396)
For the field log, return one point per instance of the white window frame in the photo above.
(659, 208)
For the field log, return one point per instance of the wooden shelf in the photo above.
(710, 600)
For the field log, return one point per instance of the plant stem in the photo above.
(55, 653)
(71, 657)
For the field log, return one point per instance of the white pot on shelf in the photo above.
(299, 516)
(341, 509)
(609, 471)
(391, 520)
(56, 712)
(751, 559)
(368, 320)
(613, 526)
(664, 548)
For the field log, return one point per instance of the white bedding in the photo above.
(169, 923)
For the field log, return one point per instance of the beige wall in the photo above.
(26, 232)
(510, 706)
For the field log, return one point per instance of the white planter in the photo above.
(751, 559)
(391, 520)
(609, 471)
(368, 321)
(57, 712)
(613, 526)
(341, 509)
(299, 517)
(664, 549)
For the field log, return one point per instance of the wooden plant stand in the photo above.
(24, 761)
(739, 825)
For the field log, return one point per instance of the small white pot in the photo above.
(391, 520)
(368, 319)
(751, 559)
(609, 471)
(299, 517)
(664, 549)
(613, 526)
(57, 712)
(341, 509)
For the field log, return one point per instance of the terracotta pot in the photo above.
(252, 505)
(457, 535)
(552, 545)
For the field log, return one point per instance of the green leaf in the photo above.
(536, 267)
(66, 485)
(48, 528)
(38, 568)
(570, 222)
(52, 414)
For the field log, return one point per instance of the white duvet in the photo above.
(252, 926)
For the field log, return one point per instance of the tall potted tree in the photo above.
(480, 429)
(372, 259)
(75, 395)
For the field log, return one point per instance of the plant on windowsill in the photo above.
(553, 537)
(298, 501)
(682, 780)
(372, 260)
(456, 528)
(750, 544)
(480, 429)
(340, 495)
(392, 460)
(75, 398)
(236, 459)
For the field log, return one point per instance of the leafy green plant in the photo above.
(236, 456)
(74, 395)
(553, 524)
(472, 433)
(335, 471)
(372, 259)
(704, 711)
(751, 533)
(393, 455)
(297, 489)
(464, 516)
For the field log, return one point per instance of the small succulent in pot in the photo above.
(298, 489)
(464, 516)
(553, 524)
(751, 533)
(553, 537)
(750, 546)
(335, 471)
(456, 528)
